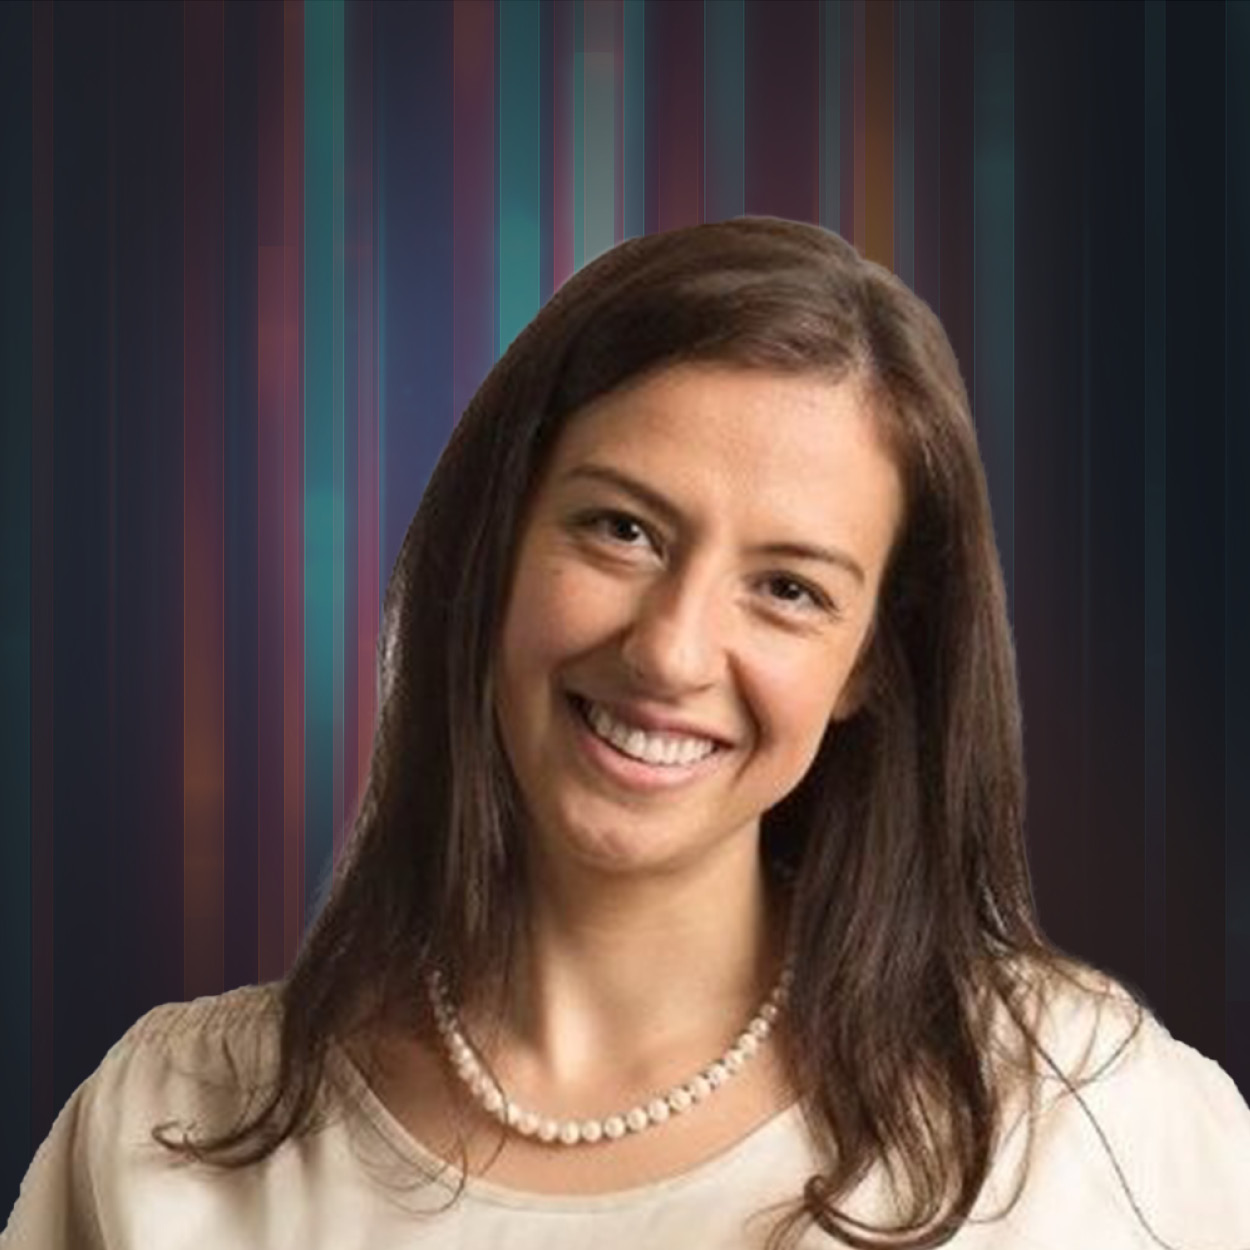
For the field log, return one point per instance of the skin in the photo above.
(652, 937)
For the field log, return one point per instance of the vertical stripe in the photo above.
(598, 145)
(858, 49)
(270, 261)
(546, 149)
(578, 104)
(1154, 519)
(1196, 525)
(618, 123)
(17, 302)
(928, 155)
(634, 120)
(831, 114)
(25, 80)
(203, 483)
(241, 535)
(1237, 522)
(563, 207)
(724, 108)
(42, 555)
(782, 128)
(905, 142)
(473, 247)
(519, 166)
(994, 180)
(674, 116)
(879, 132)
(415, 133)
(361, 709)
(293, 346)
(323, 61)
(956, 141)
(341, 465)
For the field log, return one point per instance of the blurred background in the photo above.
(256, 258)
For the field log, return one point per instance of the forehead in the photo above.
(799, 450)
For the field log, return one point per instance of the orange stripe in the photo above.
(879, 127)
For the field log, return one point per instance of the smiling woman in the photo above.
(688, 903)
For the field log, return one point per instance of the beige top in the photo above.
(1178, 1127)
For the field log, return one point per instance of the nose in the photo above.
(675, 642)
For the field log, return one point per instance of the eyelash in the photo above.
(819, 600)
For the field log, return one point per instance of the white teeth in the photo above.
(651, 748)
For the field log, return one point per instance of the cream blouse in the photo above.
(1178, 1128)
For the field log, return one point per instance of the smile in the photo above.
(638, 759)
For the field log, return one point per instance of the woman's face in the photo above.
(653, 588)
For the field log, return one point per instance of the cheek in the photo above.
(797, 699)
(553, 614)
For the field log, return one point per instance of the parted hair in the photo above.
(903, 845)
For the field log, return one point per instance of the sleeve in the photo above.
(55, 1207)
(1184, 1130)
(99, 1181)
(1153, 1150)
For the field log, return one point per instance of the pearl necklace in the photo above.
(491, 1097)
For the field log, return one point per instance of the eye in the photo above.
(808, 597)
(621, 529)
(615, 526)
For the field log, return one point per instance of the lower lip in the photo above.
(632, 773)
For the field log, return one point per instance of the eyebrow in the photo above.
(669, 511)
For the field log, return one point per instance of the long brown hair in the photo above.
(911, 906)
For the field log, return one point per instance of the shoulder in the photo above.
(220, 1039)
(193, 1062)
(190, 1062)
(1127, 1122)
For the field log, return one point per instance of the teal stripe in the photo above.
(724, 110)
(634, 122)
(520, 225)
(323, 431)
(994, 265)
(599, 149)
(831, 115)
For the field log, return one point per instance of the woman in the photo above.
(687, 905)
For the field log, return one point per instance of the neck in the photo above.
(630, 975)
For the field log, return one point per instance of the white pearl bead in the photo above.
(679, 1099)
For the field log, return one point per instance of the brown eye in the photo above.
(619, 527)
(807, 596)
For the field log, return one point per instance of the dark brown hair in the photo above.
(912, 910)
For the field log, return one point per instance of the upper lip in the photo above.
(653, 722)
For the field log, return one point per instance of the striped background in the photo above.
(256, 259)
